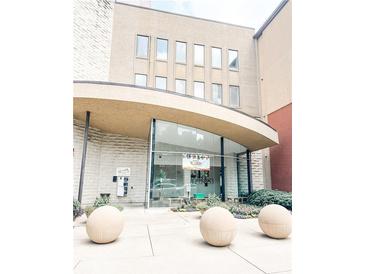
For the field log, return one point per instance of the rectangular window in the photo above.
(142, 46)
(161, 82)
(216, 58)
(198, 55)
(141, 80)
(233, 59)
(199, 89)
(217, 93)
(180, 86)
(161, 49)
(234, 96)
(180, 52)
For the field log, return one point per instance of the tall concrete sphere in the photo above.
(275, 221)
(218, 226)
(104, 224)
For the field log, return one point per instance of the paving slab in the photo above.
(161, 241)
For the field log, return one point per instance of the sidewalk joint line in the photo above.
(246, 260)
(149, 237)
(77, 264)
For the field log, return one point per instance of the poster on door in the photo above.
(195, 161)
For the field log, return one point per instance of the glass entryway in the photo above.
(189, 162)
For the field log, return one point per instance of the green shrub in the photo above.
(101, 201)
(77, 210)
(244, 211)
(213, 200)
(265, 197)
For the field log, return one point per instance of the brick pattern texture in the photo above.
(93, 23)
(106, 152)
(281, 155)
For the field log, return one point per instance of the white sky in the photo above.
(250, 13)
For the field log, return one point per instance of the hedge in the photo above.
(264, 197)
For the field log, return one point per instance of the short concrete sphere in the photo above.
(218, 226)
(275, 221)
(104, 224)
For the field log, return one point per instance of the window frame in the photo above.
(199, 65)
(178, 79)
(217, 84)
(186, 52)
(135, 79)
(230, 97)
(167, 49)
(157, 76)
(211, 59)
(238, 60)
(148, 46)
(203, 89)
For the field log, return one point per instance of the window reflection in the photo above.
(233, 59)
(142, 46)
(180, 52)
(199, 55)
(217, 93)
(161, 48)
(234, 96)
(216, 58)
(172, 181)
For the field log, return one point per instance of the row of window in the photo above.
(180, 87)
(180, 53)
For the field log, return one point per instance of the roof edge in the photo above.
(269, 20)
(184, 15)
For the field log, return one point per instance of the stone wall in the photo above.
(92, 36)
(257, 170)
(106, 152)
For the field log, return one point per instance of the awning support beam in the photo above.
(249, 171)
(222, 170)
(83, 159)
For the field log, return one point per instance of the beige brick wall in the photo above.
(257, 170)
(129, 21)
(92, 35)
(105, 153)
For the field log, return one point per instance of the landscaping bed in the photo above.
(251, 209)
(101, 201)
(240, 211)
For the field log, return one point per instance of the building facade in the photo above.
(166, 107)
(274, 59)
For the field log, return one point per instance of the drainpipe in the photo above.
(249, 171)
(222, 170)
(83, 159)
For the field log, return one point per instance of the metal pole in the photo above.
(84, 148)
(249, 171)
(222, 169)
(150, 164)
(152, 156)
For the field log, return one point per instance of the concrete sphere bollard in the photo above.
(104, 224)
(218, 226)
(275, 221)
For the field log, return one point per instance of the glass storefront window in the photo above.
(187, 161)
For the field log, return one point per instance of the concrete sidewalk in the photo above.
(160, 241)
